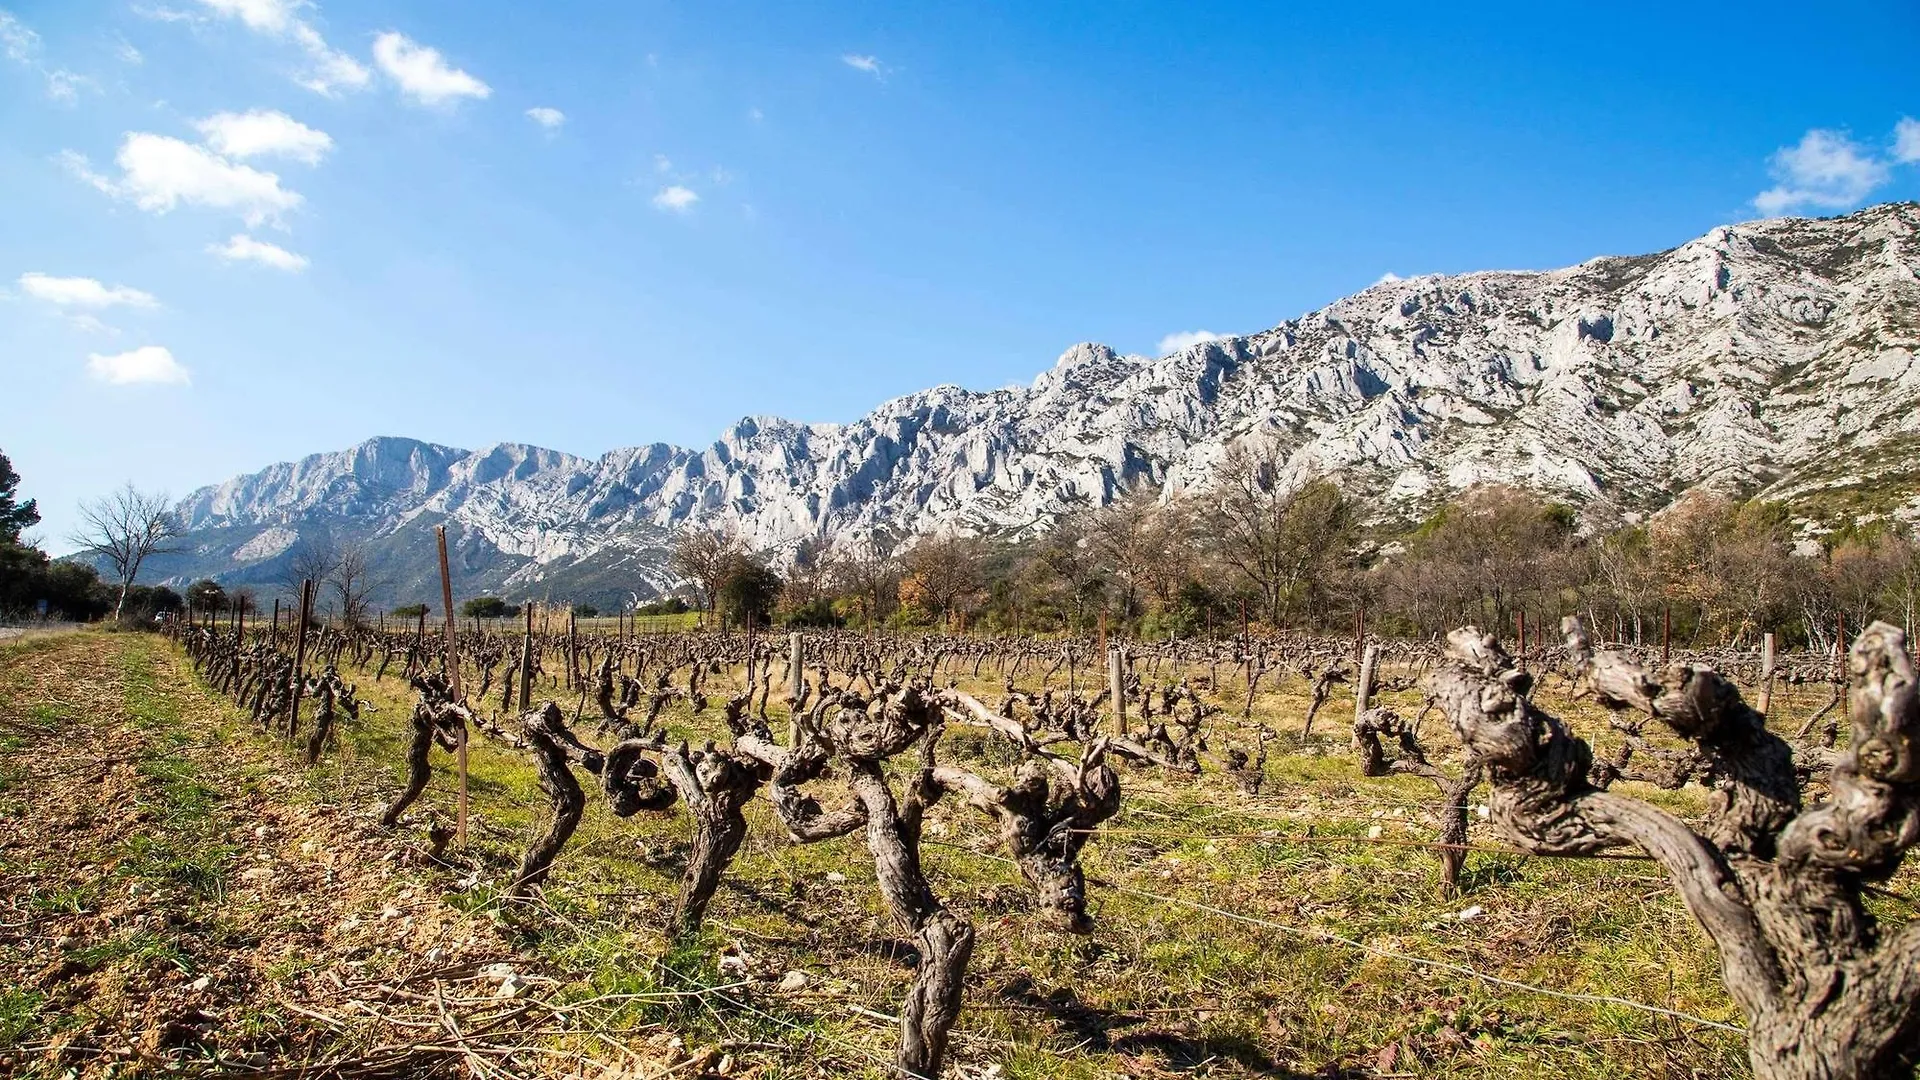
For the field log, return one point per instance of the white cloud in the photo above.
(243, 248)
(1186, 339)
(1906, 141)
(82, 169)
(675, 198)
(548, 118)
(18, 40)
(1827, 170)
(263, 132)
(869, 64)
(423, 74)
(22, 46)
(756, 115)
(64, 86)
(147, 364)
(159, 172)
(266, 16)
(1389, 278)
(128, 54)
(662, 164)
(82, 292)
(331, 70)
(88, 324)
(166, 14)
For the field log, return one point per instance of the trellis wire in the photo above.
(1391, 954)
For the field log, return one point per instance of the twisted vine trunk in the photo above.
(944, 940)
(418, 768)
(716, 786)
(322, 690)
(556, 779)
(1828, 993)
(1411, 758)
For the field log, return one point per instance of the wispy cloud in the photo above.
(1826, 170)
(82, 292)
(147, 364)
(64, 86)
(328, 70)
(267, 16)
(159, 172)
(1183, 340)
(422, 73)
(1389, 278)
(546, 117)
(676, 199)
(18, 40)
(869, 64)
(264, 133)
(243, 248)
(21, 44)
(1906, 141)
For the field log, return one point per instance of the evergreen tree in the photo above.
(15, 516)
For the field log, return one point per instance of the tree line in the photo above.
(1269, 544)
(1265, 542)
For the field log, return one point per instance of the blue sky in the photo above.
(234, 232)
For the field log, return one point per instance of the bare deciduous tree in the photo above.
(704, 557)
(1144, 543)
(945, 572)
(1064, 562)
(125, 529)
(353, 581)
(870, 574)
(1282, 531)
(312, 559)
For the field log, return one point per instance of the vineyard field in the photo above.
(190, 893)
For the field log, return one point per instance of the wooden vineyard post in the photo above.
(1363, 690)
(300, 653)
(573, 647)
(276, 622)
(1666, 635)
(796, 676)
(526, 660)
(453, 682)
(1117, 685)
(1520, 627)
(1766, 674)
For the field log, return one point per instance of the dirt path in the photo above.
(174, 895)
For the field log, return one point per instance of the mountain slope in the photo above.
(1772, 357)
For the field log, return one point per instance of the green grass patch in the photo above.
(20, 1009)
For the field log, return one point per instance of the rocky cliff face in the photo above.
(1774, 357)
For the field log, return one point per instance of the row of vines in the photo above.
(841, 733)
